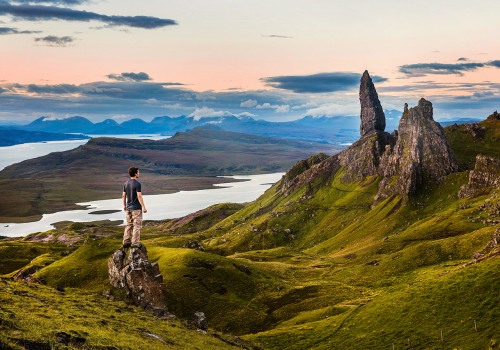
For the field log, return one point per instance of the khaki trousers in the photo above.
(132, 233)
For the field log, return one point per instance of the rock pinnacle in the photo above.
(372, 114)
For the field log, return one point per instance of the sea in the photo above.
(160, 207)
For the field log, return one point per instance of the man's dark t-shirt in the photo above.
(131, 188)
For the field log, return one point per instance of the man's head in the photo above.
(133, 171)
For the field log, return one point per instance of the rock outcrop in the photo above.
(293, 179)
(140, 279)
(421, 154)
(416, 154)
(484, 177)
(363, 158)
(372, 114)
(494, 116)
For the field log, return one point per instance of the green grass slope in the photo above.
(34, 316)
(315, 264)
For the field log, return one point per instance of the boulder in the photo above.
(200, 321)
(140, 279)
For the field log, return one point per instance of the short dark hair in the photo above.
(132, 171)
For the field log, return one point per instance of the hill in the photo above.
(10, 137)
(386, 244)
(96, 170)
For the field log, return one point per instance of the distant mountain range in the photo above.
(333, 130)
(340, 130)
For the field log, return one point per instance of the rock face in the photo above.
(363, 158)
(140, 279)
(484, 177)
(372, 114)
(421, 154)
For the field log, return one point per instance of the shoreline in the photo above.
(233, 189)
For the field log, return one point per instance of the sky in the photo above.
(276, 60)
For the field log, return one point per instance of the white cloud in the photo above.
(245, 114)
(248, 103)
(174, 106)
(209, 112)
(283, 109)
(333, 109)
(50, 118)
(305, 105)
(264, 106)
(277, 108)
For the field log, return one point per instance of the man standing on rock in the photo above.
(133, 205)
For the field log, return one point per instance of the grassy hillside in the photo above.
(315, 265)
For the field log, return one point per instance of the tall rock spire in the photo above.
(372, 114)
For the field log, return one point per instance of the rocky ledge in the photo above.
(484, 177)
(140, 279)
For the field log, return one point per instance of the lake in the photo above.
(18, 153)
(160, 207)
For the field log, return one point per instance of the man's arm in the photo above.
(141, 200)
(124, 199)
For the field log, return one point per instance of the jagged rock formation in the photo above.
(372, 114)
(292, 178)
(421, 154)
(363, 158)
(415, 154)
(140, 279)
(484, 177)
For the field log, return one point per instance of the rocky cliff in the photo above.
(417, 153)
(140, 279)
(484, 177)
(421, 154)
